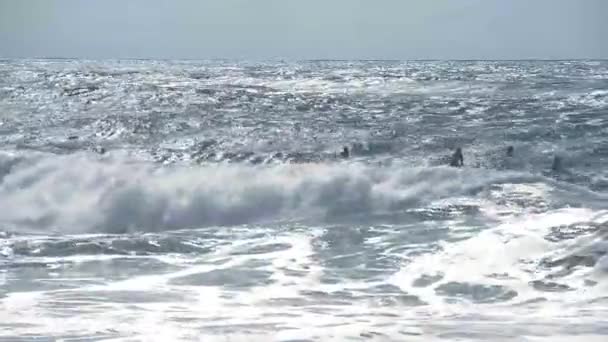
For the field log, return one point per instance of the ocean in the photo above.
(145, 200)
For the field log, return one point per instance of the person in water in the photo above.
(557, 164)
(457, 158)
(344, 153)
(510, 151)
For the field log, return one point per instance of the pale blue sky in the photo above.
(305, 29)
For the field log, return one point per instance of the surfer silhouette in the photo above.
(345, 153)
(457, 158)
(557, 164)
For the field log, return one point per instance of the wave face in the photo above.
(181, 200)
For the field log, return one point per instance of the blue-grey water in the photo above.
(208, 201)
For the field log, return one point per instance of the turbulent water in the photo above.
(208, 201)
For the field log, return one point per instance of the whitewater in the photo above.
(165, 200)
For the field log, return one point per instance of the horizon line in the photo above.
(277, 59)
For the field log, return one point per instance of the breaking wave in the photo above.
(86, 193)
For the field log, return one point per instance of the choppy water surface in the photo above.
(207, 201)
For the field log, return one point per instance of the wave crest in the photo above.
(85, 193)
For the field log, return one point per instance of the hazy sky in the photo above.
(305, 29)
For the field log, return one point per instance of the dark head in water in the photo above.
(457, 158)
(510, 150)
(344, 153)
